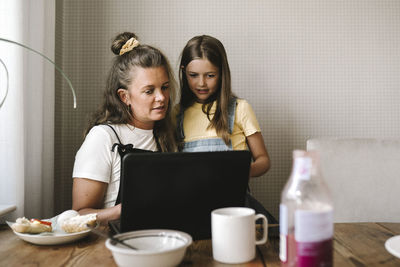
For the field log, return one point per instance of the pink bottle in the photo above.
(306, 215)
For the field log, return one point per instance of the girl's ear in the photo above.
(123, 95)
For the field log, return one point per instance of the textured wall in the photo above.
(309, 68)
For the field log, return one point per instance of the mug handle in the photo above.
(265, 228)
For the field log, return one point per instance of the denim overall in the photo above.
(211, 144)
(218, 144)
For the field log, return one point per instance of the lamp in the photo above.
(45, 57)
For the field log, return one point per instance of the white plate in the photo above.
(393, 245)
(56, 237)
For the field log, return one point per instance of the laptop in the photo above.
(178, 191)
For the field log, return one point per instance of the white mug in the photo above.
(233, 233)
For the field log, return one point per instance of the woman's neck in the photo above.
(142, 125)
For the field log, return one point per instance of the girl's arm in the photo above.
(261, 162)
(87, 197)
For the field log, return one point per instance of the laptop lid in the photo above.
(179, 190)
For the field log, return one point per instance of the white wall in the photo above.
(309, 68)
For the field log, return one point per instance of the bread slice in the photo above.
(23, 225)
(79, 223)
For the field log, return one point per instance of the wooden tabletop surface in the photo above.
(355, 244)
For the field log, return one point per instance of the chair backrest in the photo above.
(363, 176)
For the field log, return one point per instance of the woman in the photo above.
(135, 110)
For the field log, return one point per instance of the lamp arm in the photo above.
(44, 56)
(5, 96)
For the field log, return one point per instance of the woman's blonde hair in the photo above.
(113, 110)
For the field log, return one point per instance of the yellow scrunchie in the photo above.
(128, 46)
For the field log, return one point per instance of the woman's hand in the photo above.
(261, 162)
(109, 214)
(88, 197)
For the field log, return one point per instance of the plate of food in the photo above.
(66, 227)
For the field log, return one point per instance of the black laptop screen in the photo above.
(179, 190)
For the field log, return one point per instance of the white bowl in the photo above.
(154, 248)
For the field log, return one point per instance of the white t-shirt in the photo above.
(95, 160)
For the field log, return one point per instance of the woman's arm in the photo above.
(261, 162)
(88, 196)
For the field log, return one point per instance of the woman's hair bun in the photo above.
(120, 40)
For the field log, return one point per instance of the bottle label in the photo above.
(302, 168)
(313, 226)
(283, 229)
(313, 235)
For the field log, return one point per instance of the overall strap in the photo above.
(231, 113)
(122, 149)
(112, 128)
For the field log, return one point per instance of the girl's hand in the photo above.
(261, 162)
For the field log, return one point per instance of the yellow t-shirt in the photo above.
(196, 122)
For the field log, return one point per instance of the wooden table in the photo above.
(355, 244)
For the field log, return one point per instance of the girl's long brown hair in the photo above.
(210, 48)
(113, 110)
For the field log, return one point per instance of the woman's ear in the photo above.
(123, 95)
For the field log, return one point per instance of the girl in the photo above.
(136, 109)
(210, 116)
